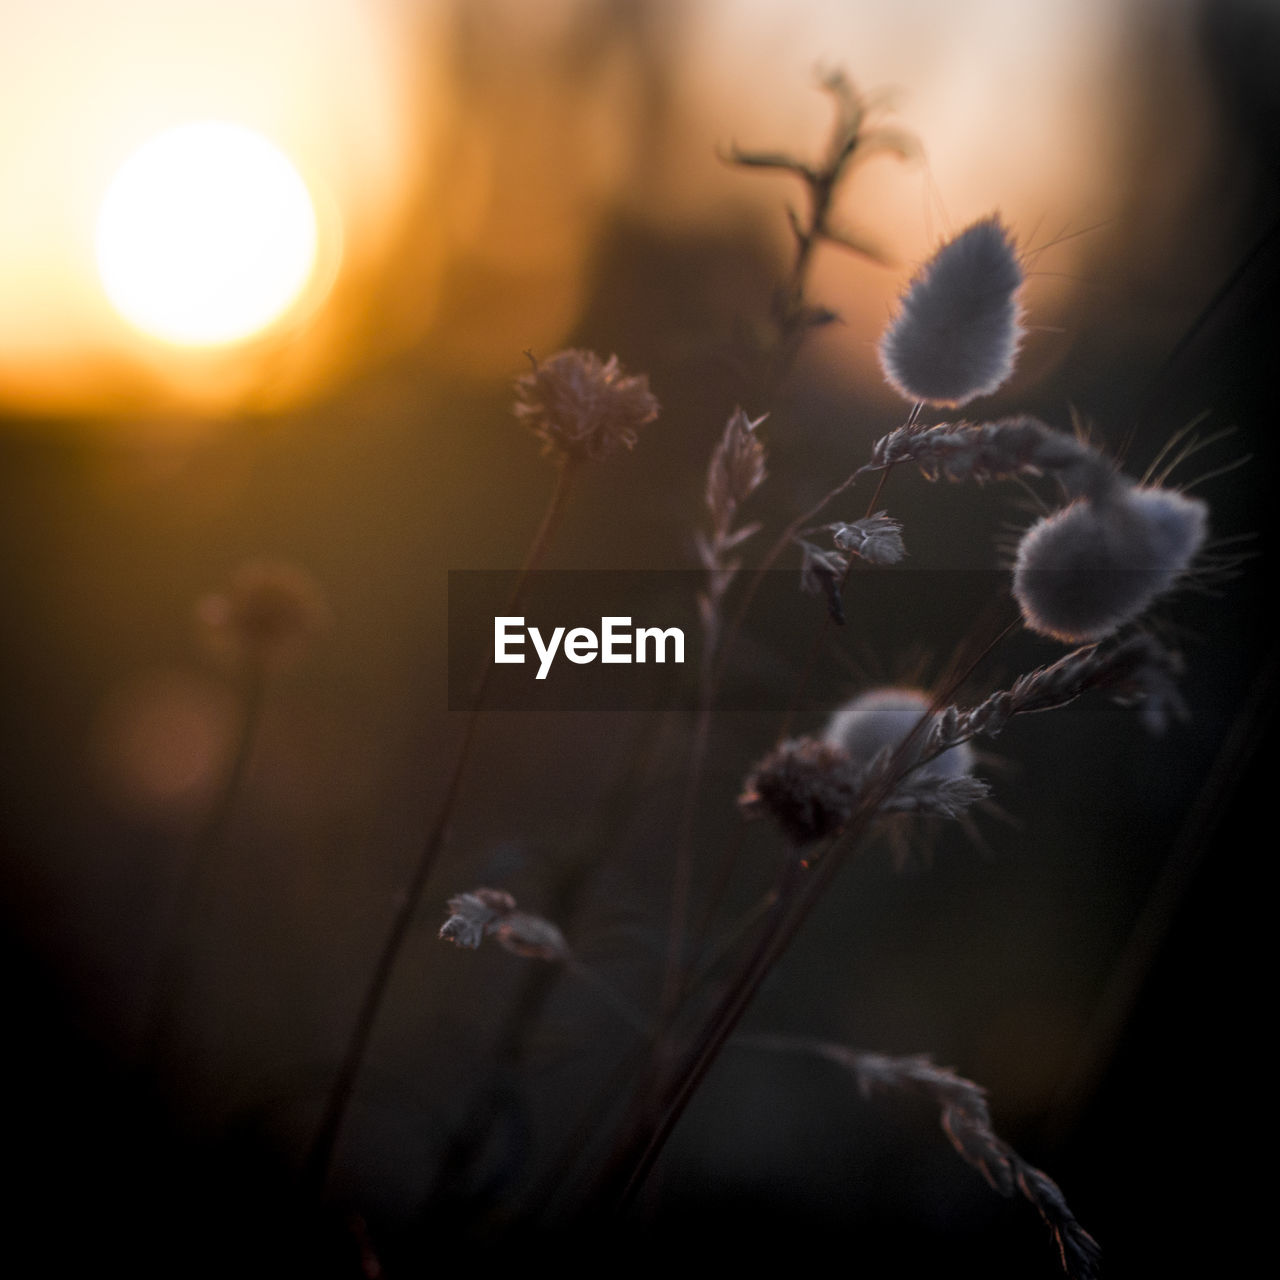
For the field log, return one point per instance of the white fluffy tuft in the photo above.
(958, 326)
(1083, 572)
(883, 718)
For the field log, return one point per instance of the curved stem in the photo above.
(796, 897)
(824, 630)
(325, 1143)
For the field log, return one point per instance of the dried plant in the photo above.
(1083, 572)
(899, 750)
(1137, 669)
(1021, 446)
(1086, 574)
(808, 787)
(966, 1120)
(736, 471)
(858, 132)
(492, 913)
(260, 624)
(583, 408)
(1088, 569)
(876, 539)
(892, 718)
(958, 326)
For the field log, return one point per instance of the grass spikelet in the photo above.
(1003, 450)
(1137, 669)
(1083, 572)
(966, 1120)
(957, 330)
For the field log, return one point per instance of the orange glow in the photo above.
(1007, 99)
(160, 742)
(465, 161)
(330, 82)
(206, 234)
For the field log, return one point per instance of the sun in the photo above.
(206, 234)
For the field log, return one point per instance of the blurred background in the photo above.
(483, 178)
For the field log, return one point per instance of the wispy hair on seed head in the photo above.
(1085, 571)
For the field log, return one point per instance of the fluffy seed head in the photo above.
(958, 326)
(808, 787)
(581, 407)
(1083, 572)
(266, 616)
(882, 718)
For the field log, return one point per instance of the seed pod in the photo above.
(580, 406)
(958, 326)
(883, 718)
(807, 786)
(1083, 572)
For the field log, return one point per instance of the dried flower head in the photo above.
(474, 914)
(807, 786)
(877, 538)
(492, 913)
(1083, 572)
(581, 407)
(958, 325)
(882, 719)
(531, 937)
(267, 615)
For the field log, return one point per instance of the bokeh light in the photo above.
(206, 234)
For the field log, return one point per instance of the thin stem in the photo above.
(630, 1013)
(824, 630)
(737, 932)
(796, 899)
(653, 1121)
(784, 541)
(672, 975)
(728, 863)
(195, 873)
(719, 887)
(793, 327)
(325, 1143)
